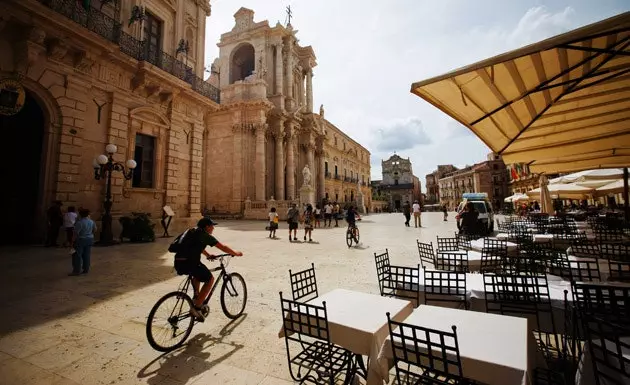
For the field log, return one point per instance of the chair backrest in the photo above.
(619, 270)
(463, 241)
(427, 254)
(602, 300)
(304, 284)
(447, 244)
(430, 352)
(584, 270)
(382, 269)
(517, 294)
(608, 346)
(444, 286)
(616, 251)
(495, 244)
(452, 261)
(304, 320)
(493, 261)
(403, 282)
(585, 250)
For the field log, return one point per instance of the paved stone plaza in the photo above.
(90, 329)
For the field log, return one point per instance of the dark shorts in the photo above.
(199, 270)
(327, 216)
(293, 225)
(273, 225)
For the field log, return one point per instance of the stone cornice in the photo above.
(261, 103)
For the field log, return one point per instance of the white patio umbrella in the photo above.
(518, 197)
(589, 175)
(566, 191)
(611, 188)
(546, 205)
(595, 183)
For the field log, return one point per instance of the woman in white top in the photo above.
(69, 219)
(273, 222)
(318, 216)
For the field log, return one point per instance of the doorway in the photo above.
(22, 159)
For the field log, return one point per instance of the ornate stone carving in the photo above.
(152, 89)
(56, 49)
(138, 81)
(35, 35)
(82, 62)
(306, 175)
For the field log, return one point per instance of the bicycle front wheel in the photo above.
(233, 295)
(170, 322)
(349, 238)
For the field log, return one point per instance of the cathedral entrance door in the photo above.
(21, 159)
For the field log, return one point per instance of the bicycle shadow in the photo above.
(194, 358)
(360, 247)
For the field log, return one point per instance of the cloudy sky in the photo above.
(369, 52)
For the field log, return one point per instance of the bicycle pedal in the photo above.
(205, 310)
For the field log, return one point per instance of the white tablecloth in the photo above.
(357, 322)
(494, 349)
(474, 259)
(477, 245)
(543, 238)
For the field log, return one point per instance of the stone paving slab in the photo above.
(90, 329)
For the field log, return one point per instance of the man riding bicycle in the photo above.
(192, 244)
(351, 217)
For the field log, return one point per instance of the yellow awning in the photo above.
(560, 105)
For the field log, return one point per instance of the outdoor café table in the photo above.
(494, 349)
(477, 245)
(357, 322)
(543, 238)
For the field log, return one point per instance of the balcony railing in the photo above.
(111, 30)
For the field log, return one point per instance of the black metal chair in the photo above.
(425, 356)
(309, 349)
(524, 295)
(427, 254)
(397, 281)
(445, 286)
(495, 244)
(585, 250)
(304, 284)
(616, 251)
(492, 261)
(452, 261)
(447, 244)
(463, 241)
(619, 270)
(584, 270)
(602, 300)
(607, 347)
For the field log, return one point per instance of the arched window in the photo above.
(243, 63)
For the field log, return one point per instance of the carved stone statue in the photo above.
(251, 77)
(321, 111)
(306, 175)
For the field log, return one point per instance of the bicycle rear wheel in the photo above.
(349, 237)
(233, 295)
(169, 323)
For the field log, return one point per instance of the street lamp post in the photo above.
(104, 166)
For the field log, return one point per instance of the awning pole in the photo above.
(625, 193)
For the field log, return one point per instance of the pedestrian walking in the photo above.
(445, 211)
(417, 219)
(84, 230)
(273, 222)
(293, 217)
(406, 209)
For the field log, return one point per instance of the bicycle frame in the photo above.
(223, 275)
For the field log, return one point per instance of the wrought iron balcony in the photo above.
(111, 30)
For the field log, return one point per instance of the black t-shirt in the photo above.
(194, 244)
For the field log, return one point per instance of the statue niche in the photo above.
(243, 63)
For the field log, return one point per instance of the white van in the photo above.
(483, 207)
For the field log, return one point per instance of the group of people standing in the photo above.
(79, 229)
(407, 209)
(310, 218)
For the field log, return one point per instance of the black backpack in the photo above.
(186, 243)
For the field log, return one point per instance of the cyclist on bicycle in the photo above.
(351, 217)
(188, 260)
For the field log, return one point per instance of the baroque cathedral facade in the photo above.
(130, 73)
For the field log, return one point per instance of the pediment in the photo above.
(149, 115)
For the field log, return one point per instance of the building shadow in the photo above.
(199, 354)
(36, 287)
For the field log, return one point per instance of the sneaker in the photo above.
(305, 237)
(197, 313)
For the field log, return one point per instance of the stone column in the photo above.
(309, 91)
(279, 71)
(310, 159)
(280, 160)
(321, 178)
(260, 161)
(289, 55)
(290, 193)
(196, 159)
(302, 90)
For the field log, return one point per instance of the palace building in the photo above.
(76, 76)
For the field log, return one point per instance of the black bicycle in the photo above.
(168, 332)
(352, 234)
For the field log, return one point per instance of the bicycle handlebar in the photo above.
(215, 257)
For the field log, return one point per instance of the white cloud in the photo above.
(369, 52)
